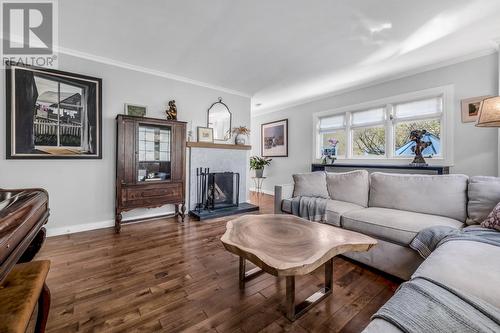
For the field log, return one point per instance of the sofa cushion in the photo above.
(484, 194)
(397, 226)
(350, 186)
(444, 195)
(334, 209)
(312, 184)
(469, 267)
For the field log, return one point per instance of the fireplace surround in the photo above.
(230, 158)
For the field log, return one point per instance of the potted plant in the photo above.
(258, 163)
(241, 132)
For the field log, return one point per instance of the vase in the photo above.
(259, 173)
(239, 139)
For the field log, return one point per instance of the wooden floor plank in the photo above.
(361, 319)
(163, 276)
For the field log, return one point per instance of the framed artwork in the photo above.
(52, 114)
(470, 108)
(135, 110)
(205, 134)
(274, 139)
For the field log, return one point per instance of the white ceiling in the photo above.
(280, 52)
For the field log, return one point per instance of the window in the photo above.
(368, 133)
(333, 136)
(418, 115)
(382, 130)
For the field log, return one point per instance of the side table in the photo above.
(257, 182)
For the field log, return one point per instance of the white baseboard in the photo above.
(71, 229)
(252, 189)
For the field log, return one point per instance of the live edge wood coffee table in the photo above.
(286, 245)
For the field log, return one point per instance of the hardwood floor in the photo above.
(162, 276)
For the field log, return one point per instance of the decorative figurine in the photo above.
(416, 136)
(172, 111)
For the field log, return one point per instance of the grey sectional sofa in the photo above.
(397, 208)
(471, 268)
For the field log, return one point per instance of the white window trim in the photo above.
(447, 127)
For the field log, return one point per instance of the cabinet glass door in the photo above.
(154, 147)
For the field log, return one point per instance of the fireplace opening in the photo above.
(223, 190)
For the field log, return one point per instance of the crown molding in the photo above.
(146, 70)
(380, 80)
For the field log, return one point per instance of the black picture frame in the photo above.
(265, 151)
(21, 140)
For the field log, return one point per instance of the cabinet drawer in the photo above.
(167, 192)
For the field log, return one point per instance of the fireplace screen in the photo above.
(217, 190)
(223, 189)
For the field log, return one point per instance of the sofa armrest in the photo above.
(282, 192)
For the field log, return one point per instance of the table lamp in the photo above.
(489, 113)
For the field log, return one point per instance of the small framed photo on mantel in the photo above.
(205, 134)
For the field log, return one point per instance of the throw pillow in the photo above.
(484, 194)
(493, 219)
(312, 184)
(350, 186)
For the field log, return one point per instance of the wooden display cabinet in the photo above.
(150, 165)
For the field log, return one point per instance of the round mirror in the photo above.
(219, 119)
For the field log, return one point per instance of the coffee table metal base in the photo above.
(293, 311)
(244, 275)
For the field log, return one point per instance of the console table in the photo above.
(340, 167)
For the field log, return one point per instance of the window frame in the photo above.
(388, 104)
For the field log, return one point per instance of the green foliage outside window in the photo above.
(368, 141)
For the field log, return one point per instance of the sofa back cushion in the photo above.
(312, 184)
(350, 186)
(443, 195)
(484, 194)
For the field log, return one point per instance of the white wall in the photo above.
(82, 192)
(475, 149)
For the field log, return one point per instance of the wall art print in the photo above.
(274, 139)
(52, 114)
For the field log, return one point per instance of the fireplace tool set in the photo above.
(202, 189)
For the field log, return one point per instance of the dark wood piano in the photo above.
(23, 214)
